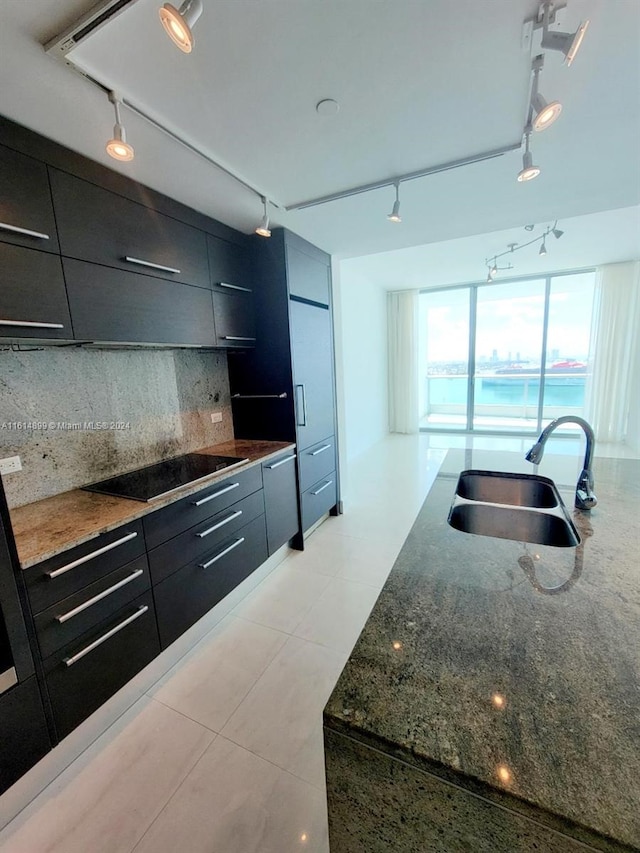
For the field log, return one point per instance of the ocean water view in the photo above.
(505, 391)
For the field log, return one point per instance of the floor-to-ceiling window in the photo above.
(504, 357)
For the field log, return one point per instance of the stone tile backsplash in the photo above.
(75, 416)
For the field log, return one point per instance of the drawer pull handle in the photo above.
(150, 264)
(320, 450)
(220, 524)
(96, 598)
(234, 287)
(322, 488)
(301, 408)
(26, 232)
(31, 324)
(215, 494)
(236, 338)
(139, 612)
(63, 569)
(280, 462)
(282, 396)
(222, 554)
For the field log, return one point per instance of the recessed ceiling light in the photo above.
(179, 22)
(118, 147)
(327, 107)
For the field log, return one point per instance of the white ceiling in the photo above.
(419, 82)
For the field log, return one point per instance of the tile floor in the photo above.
(224, 753)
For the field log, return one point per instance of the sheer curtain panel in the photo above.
(402, 307)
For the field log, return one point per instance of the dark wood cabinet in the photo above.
(33, 300)
(112, 305)
(317, 461)
(280, 500)
(25, 738)
(99, 226)
(189, 593)
(318, 500)
(26, 211)
(234, 319)
(229, 264)
(309, 277)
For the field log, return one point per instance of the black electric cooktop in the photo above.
(156, 481)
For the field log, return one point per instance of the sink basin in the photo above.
(521, 525)
(527, 490)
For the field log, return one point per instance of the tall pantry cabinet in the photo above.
(284, 389)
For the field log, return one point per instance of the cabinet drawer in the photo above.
(188, 594)
(316, 462)
(73, 616)
(204, 537)
(229, 264)
(84, 674)
(97, 225)
(26, 211)
(280, 499)
(69, 572)
(33, 299)
(111, 305)
(234, 319)
(318, 499)
(181, 515)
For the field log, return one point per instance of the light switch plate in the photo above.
(10, 465)
(216, 417)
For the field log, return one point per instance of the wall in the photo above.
(163, 398)
(361, 360)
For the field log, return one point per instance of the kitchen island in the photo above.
(492, 701)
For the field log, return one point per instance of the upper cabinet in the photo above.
(26, 212)
(97, 225)
(229, 265)
(309, 277)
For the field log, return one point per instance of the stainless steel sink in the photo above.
(513, 489)
(521, 525)
(520, 507)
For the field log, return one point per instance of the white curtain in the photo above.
(614, 382)
(402, 310)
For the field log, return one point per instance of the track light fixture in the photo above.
(528, 171)
(394, 216)
(557, 233)
(545, 113)
(179, 22)
(492, 263)
(263, 229)
(543, 248)
(566, 43)
(118, 147)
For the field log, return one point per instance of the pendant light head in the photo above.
(528, 171)
(118, 147)
(543, 248)
(394, 216)
(179, 22)
(263, 229)
(567, 43)
(557, 233)
(546, 113)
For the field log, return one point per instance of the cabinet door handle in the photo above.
(282, 396)
(320, 450)
(280, 462)
(215, 494)
(322, 488)
(26, 232)
(96, 598)
(139, 612)
(222, 554)
(236, 338)
(63, 569)
(31, 324)
(220, 524)
(234, 287)
(150, 264)
(301, 409)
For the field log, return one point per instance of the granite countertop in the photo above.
(469, 669)
(53, 525)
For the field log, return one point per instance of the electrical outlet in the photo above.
(216, 417)
(10, 465)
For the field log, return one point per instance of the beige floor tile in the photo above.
(105, 801)
(339, 615)
(280, 718)
(283, 598)
(209, 684)
(235, 802)
(347, 557)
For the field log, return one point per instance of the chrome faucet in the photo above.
(585, 498)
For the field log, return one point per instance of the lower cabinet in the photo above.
(318, 500)
(186, 595)
(82, 675)
(25, 738)
(280, 500)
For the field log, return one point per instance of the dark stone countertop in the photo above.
(467, 669)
